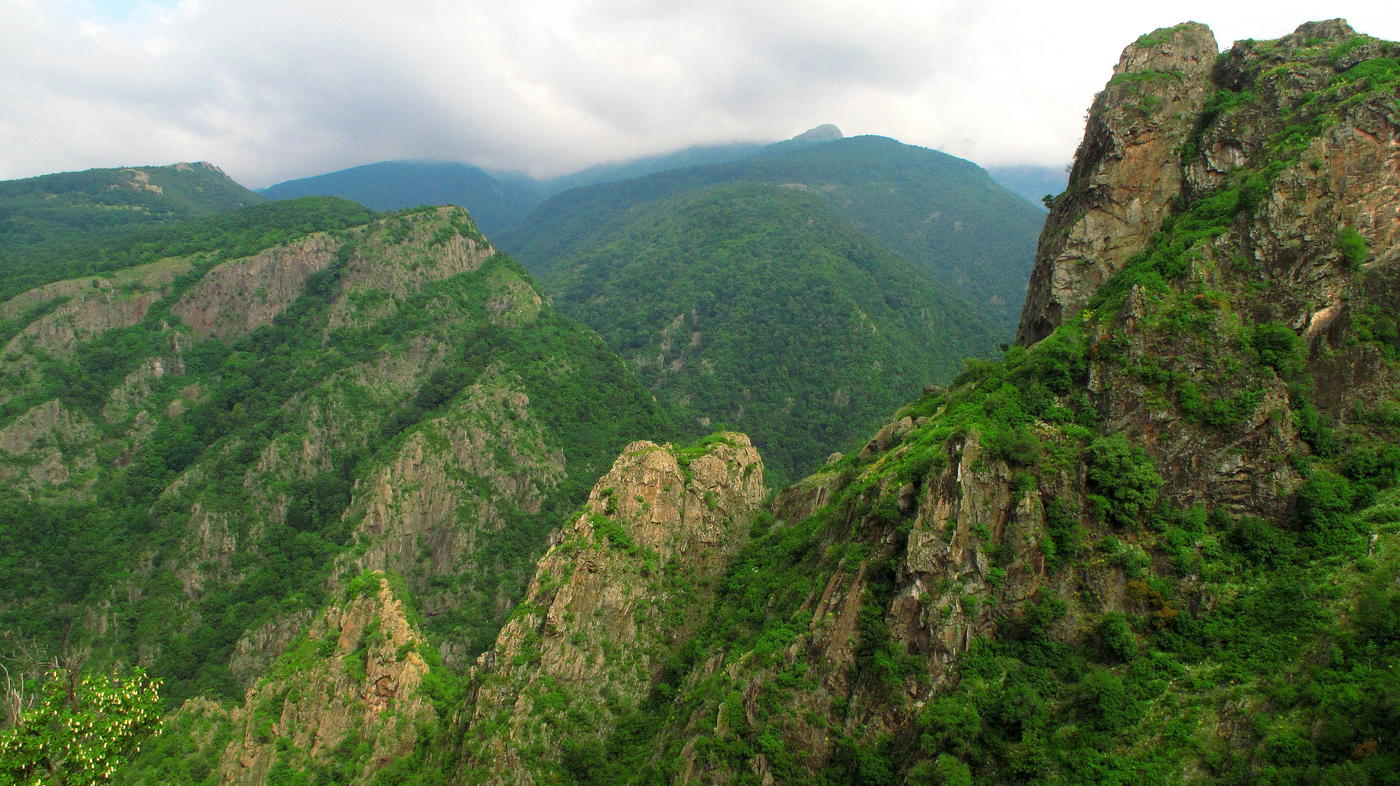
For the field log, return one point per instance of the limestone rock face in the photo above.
(621, 586)
(1126, 172)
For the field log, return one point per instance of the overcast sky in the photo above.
(277, 89)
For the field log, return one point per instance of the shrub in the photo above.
(1126, 479)
(1017, 447)
(1278, 347)
(1324, 502)
(1352, 247)
(1116, 642)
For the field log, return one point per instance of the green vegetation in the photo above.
(82, 727)
(62, 550)
(943, 216)
(756, 306)
(1352, 247)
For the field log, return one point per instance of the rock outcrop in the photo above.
(1126, 172)
(621, 587)
(355, 676)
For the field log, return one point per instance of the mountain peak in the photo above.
(825, 132)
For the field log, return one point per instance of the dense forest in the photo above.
(760, 307)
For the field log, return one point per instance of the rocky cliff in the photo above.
(620, 590)
(1126, 172)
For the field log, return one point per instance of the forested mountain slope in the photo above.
(1157, 542)
(45, 221)
(759, 307)
(199, 452)
(941, 214)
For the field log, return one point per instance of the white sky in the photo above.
(276, 89)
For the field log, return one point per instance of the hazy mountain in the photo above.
(698, 155)
(1033, 183)
(395, 185)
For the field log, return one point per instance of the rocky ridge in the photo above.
(620, 589)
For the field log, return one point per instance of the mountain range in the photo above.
(377, 507)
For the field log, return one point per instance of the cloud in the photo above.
(274, 89)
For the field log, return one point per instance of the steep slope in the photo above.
(395, 185)
(626, 579)
(941, 214)
(1159, 544)
(348, 700)
(757, 306)
(199, 450)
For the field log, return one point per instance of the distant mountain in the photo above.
(50, 224)
(395, 185)
(699, 155)
(498, 200)
(1031, 182)
(69, 206)
(941, 214)
(761, 307)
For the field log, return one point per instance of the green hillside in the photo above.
(53, 226)
(942, 215)
(760, 307)
(82, 205)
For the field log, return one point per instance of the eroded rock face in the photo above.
(355, 675)
(1126, 172)
(620, 586)
(235, 298)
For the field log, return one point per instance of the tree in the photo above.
(82, 726)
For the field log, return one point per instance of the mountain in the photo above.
(81, 205)
(1032, 183)
(375, 512)
(760, 307)
(1158, 541)
(698, 155)
(501, 200)
(941, 214)
(44, 219)
(395, 185)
